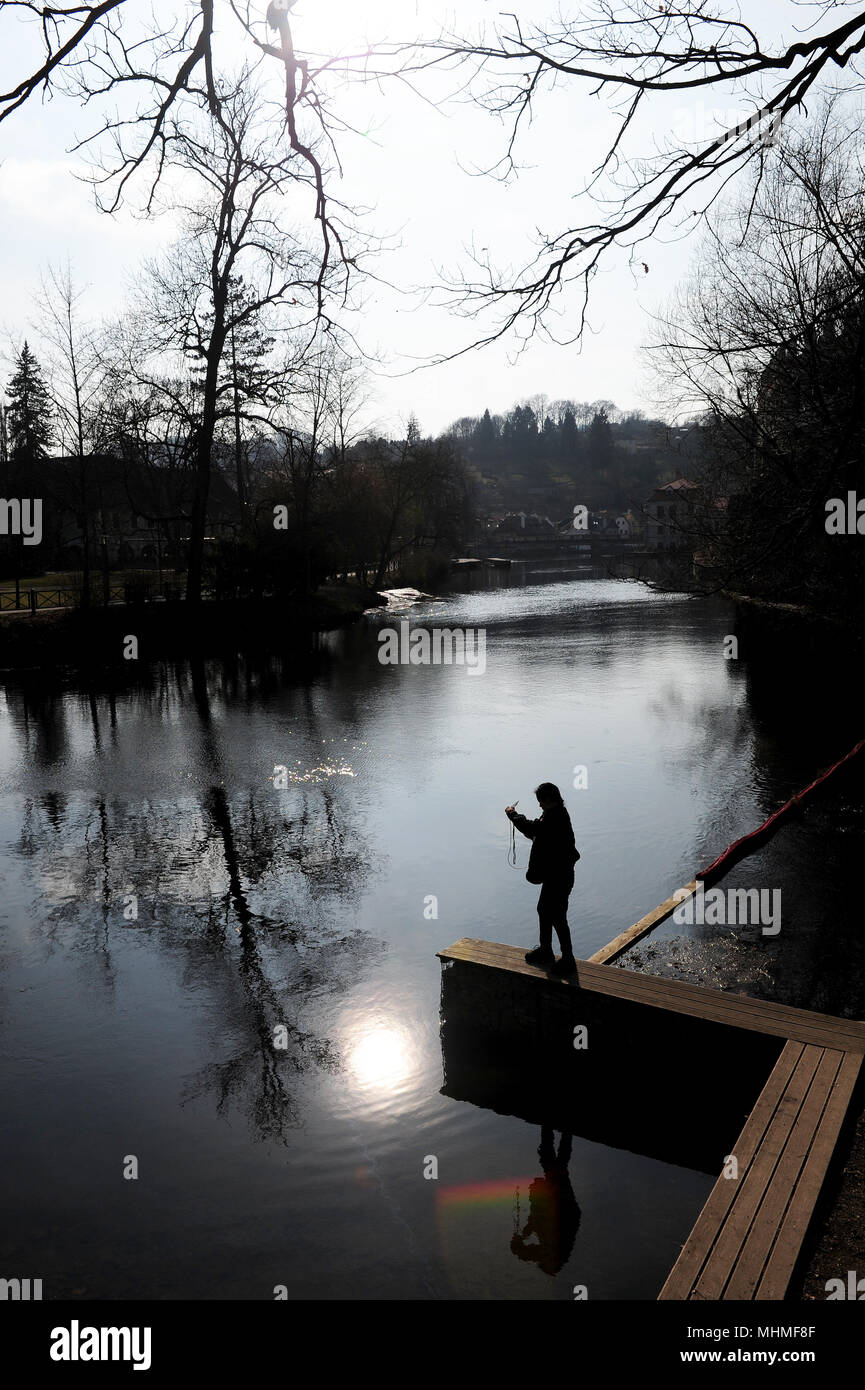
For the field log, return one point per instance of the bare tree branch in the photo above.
(635, 55)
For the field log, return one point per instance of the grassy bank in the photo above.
(54, 638)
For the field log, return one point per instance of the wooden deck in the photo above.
(736, 1010)
(747, 1239)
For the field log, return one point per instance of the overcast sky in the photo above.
(409, 164)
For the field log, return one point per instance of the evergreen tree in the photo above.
(521, 428)
(29, 414)
(486, 434)
(569, 436)
(600, 446)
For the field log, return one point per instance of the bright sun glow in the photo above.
(343, 26)
(381, 1057)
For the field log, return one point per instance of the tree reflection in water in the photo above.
(244, 885)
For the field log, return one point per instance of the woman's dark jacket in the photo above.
(553, 853)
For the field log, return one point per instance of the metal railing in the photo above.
(33, 600)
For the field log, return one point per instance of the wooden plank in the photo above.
(754, 1180)
(641, 982)
(627, 938)
(782, 1259)
(762, 1015)
(738, 1011)
(767, 1223)
(697, 1247)
(492, 953)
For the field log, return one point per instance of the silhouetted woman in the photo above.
(551, 863)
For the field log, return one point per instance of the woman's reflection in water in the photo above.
(554, 1215)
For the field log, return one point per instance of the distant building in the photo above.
(525, 525)
(670, 513)
(599, 522)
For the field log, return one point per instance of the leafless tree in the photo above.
(312, 422)
(768, 275)
(765, 343)
(231, 192)
(151, 434)
(75, 352)
(142, 67)
(639, 55)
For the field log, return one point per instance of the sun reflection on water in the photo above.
(381, 1058)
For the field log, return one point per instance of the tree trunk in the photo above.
(238, 442)
(203, 453)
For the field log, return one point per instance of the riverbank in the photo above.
(110, 637)
(837, 1242)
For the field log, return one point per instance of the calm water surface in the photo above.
(168, 915)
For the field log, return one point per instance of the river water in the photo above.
(222, 1070)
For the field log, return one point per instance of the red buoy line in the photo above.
(748, 843)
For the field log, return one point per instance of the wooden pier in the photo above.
(747, 1239)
